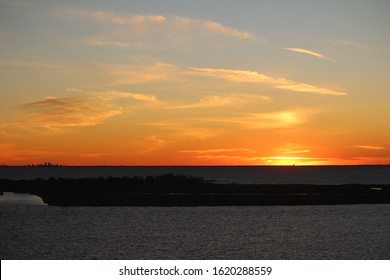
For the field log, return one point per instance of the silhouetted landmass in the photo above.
(180, 190)
(45, 164)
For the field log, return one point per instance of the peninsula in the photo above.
(181, 190)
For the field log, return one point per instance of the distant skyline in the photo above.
(181, 82)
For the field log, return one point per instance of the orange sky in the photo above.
(152, 83)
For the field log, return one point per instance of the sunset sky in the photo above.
(180, 82)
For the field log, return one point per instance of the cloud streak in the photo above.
(216, 151)
(106, 17)
(144, 23)
(234, 154)
(222, 100)
(373, 148)
(272, 120)
(68, 112)
(243, 76)
(110, 95)
(114, 18)
(218, 27)
(88, 109)
(105, 43)
(304, 51)
(249, 121)
(135, 74)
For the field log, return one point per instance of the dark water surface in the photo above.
(277, 232)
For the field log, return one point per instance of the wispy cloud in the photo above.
(291, 160)
(186, 23)
(300, 87)
(368, 147)
(296, 152)
(216, 151)
(52, 112)
(117, 44)
(248, 156)
(290, 148)
(352, 44)
(104, 16)
(249, 121)
(109, 76)
(183, 129)
(135, 74)
(115, 18)
(87, 109)
(218, 27)
(224, 100)
(209, 101)
(143, 24)
(176, 22)
(67, 103)
(110, 95)
(231, 154)
(272, 120)
(138, 22)
(256, 77)
(304, 51)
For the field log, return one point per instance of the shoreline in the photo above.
(181, 190)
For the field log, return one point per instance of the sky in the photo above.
(179, 82)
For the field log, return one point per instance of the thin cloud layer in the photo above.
(107, 17)
(223, 150)
(135, 74)
(224, 100)
(143, 23)
(369, 147)
(110, 95)
(68, 112)
(90, 109)
(243, 76)
(304, 51)
(273, 120)
(247, 121)
(237, 154)
(104, 43)
(218, 27)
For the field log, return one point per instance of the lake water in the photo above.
(30, 230)
(277, 232)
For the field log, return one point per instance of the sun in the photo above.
(290, 161)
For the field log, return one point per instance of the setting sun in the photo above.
(281, 160)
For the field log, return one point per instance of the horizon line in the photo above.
(289, 165)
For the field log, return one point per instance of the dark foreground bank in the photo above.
(179, 190)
